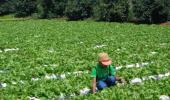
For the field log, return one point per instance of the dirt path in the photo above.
(165, 24)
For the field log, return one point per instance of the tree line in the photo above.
(145, 11)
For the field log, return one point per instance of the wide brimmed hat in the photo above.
(104, 59)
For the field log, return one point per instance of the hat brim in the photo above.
(106, 63)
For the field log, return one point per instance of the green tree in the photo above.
(161, 11)
(59, 7)
(112, 10)
(7, 7)
(78, 9)
(151, 11)
(51, 8)
(25, 8)
(45, 8)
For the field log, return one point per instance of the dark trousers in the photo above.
(109, 81)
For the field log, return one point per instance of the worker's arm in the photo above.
(119, 79)
(94, 85)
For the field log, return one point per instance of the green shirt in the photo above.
(102, 72)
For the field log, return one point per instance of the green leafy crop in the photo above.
(51, 47)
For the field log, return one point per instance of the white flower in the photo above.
(22, 82)
(47, 77)
(154, 52)
(119, 67)
(36, 36)
(53, 65)
(144, 64)
(136, 81)
(53, 76)
(14, 82)
(84, 91)
(68, 73)
(144, 78)
(61, 97)
(72, 94)
(167, 74)
(81, 42)
(45, 65)
(86, 72)
(99, 46)
(1, 71)
(164, 97)
(51, 50)
(33, 98)
(3, 85)
(161, 75)
(118, 50)
(163, 44)
(62, 76)
(78, 72)
(153, 77)
(35, 79)
(130, 66)
(138, 65)
(12, 49)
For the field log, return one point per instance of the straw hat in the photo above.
(104, 59)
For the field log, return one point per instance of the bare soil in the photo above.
(165, 24)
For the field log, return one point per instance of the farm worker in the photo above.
(103, 75)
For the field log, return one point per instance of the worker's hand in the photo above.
(123, 81)
(120, 80)
(116, 65)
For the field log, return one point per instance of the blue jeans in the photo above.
(109, 81)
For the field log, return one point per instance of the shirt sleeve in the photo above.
(93, 73)
(113, 70)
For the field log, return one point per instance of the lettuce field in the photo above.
(50, 59)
